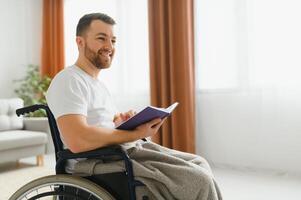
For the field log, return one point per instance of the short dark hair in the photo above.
(85, 21)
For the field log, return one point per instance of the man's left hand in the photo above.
(119, 118)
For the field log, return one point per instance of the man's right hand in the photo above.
(150, 128)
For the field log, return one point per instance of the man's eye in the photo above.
(113, 41)
(101, 38)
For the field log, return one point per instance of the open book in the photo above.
(147, 114)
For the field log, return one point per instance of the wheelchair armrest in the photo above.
(100, 153)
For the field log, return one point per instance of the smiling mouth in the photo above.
(106, 54)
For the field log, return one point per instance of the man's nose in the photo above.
(109, 45)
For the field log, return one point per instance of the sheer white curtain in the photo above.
(128, 77)
(248, 79)
(248, 43)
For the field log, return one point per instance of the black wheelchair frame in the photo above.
(121, 185)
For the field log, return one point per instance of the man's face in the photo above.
(99, 45)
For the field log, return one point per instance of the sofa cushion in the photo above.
(21, 138)
(8, 118)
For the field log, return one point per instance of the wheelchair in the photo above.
(65, 186)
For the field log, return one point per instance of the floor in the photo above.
(242, 184)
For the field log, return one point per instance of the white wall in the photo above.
(259, 129)
(21, 26)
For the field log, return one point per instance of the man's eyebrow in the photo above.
(103, 34)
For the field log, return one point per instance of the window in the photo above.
(247, 44)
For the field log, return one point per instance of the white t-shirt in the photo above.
(73, 91)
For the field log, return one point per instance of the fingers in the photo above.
(128, 114)
(131, 113)
(116, 117)
(124, 116)
(154, 122)
(120, 117)
(157, 126)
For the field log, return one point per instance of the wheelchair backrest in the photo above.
(58, 144)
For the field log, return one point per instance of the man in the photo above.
(86, 115)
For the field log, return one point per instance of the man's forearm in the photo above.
(79, 136)
(91, 137)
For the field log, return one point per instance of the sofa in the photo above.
(18, 140)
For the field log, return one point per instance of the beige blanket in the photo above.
(168, 174)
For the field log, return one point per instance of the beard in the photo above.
(98, 59)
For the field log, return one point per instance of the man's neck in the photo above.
(88, 67)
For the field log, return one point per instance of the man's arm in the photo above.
(80, 137)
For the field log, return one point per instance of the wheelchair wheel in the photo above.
(61, 187)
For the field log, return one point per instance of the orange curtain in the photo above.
(53, 37)
(172, 70)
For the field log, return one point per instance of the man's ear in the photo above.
(80, 42)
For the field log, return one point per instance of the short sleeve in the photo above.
(67, 94)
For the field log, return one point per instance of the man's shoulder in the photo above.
(69, 75)
(65, 83)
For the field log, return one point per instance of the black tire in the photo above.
(48, 187)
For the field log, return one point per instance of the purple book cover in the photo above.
(147, 114)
